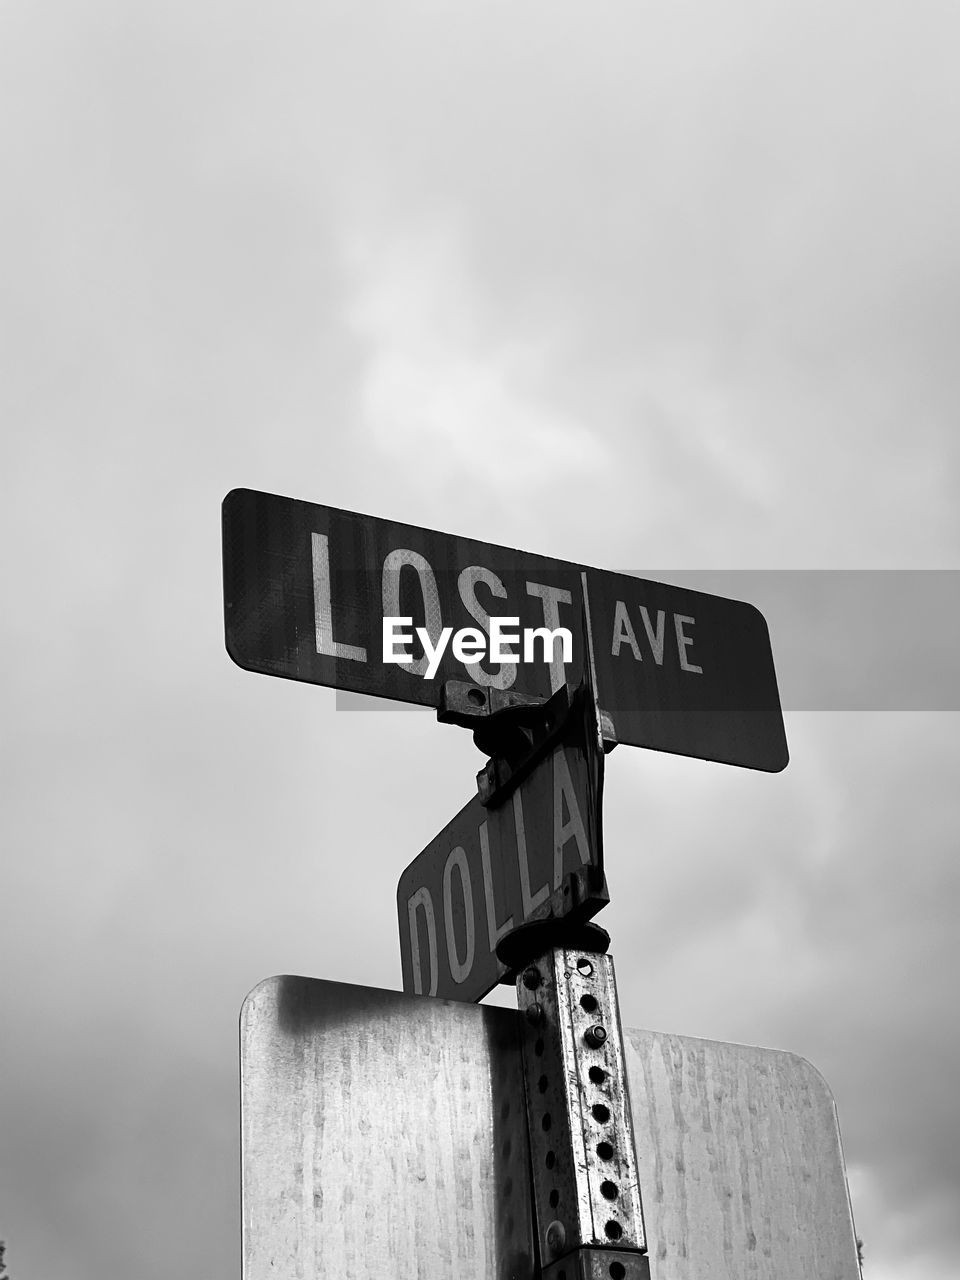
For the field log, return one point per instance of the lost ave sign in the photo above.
(317, 594)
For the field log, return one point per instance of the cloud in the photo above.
(443, 396)
(661, 286)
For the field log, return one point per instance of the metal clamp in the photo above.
(587, 1208)
(469, 705)
(515, 730)
(564, 920)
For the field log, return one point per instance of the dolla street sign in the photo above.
(494, 868)
(307, 587)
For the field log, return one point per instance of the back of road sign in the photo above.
(384, 1135)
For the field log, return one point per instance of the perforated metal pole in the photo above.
(586, 1192)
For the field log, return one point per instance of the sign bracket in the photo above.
(467, 704)
(564, 920)
(514, 730)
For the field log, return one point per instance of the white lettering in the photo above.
(468, 647)
(494, 931)
(551, 598)
(655, 638)
(499, 637)
(531, 634)
(433, 654)
(392, 565)
(623, 631)
(459, 969)
(322, 608)
(529, 900)
(684, 641)
(564, 793)
(392, 637)
(467, 583)
(423, 899)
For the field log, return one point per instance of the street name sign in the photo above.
(494, 868)
(385, 1135)
(308, 590)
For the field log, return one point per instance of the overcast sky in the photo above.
(662, 287)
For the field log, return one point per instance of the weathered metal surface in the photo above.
(599, 1264)
(384, 1135)
(586, 1186)
(740, 1162)
(492, 869)
(306, 589)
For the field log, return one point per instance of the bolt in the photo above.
(595, 1036)
(531, 978)
(534, 1014)
(556, 1236)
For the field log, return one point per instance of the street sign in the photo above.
(685, 672)
(494, 868)
(307, 590)
(385, 1135)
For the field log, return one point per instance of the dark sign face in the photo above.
(492, 869)
(685, 672)
(375, 607)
